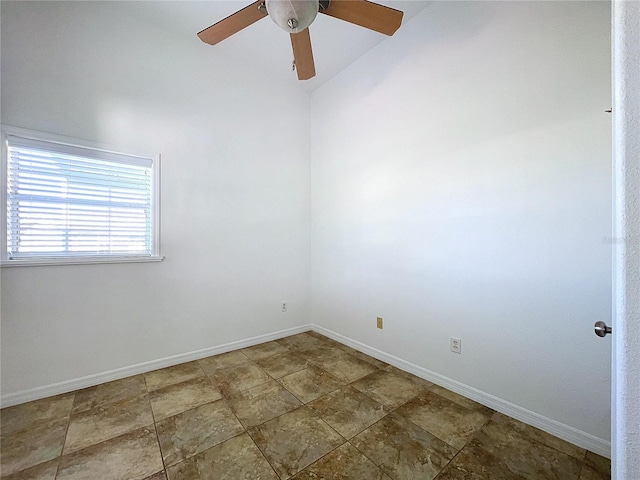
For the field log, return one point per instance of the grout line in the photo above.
(363, 453)
(259, 449)
(323, 456)
(66, 432)
(155, 427)
(449, 462)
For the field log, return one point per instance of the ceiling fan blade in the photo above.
(232, 24)
(303, 55)
(366, 14)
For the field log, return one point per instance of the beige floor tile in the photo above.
(284, 364)
(369, 359)
(348, 411)
(108, 421)
(542, 437)
(333, 343)
(172, 375)
(333, 348)
(460, 400)
(264, 350)
(589, 473)
(262, 403)
(310, 383)
(391, 388)
(196, 430)
(300, 342)
(27, 415)
(241, 377)
(598, 463)
(348, 395)
(32, 446)
(475, 463)
(344, 463)
(158, 476)
(347, 368)
(324, 354)
(237, 458)
(177, 398)
(44, 471)
(132, 456)
(403, 450)
(317, 335)
(224, 360)
(110, 392)
(358, 354)
(425, 384)
(525, 456)
(295, 440)
(442, 418)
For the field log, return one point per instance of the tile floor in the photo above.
(302, 407)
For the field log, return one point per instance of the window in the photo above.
(72, 203)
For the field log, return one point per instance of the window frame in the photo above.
(5, 261)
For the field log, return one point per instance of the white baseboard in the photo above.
(37, 393)
(560, 430)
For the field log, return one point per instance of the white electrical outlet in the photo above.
(456, 345)
(284, 306)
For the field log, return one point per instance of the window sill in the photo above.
(24, 262)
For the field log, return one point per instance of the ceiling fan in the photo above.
(295, 16)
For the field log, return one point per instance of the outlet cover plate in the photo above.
(456, 345)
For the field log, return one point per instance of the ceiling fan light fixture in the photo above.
(293, 16)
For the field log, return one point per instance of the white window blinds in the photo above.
(70, 201)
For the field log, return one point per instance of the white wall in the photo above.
(235, 204)
(461, 187)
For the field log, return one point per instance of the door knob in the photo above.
(601, 328)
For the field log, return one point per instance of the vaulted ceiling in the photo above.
(263, 45)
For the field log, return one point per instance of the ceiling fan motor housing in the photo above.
(293, 16)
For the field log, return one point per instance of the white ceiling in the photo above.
(263, 45)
